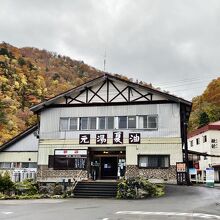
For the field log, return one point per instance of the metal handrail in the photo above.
(77, 179)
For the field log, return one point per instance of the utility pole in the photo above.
(104, 64)
(186, 150)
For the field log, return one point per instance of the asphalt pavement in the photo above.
(180, 202)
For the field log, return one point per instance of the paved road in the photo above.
(180, 203)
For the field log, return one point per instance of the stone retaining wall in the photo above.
(168, 174)
(45, 174)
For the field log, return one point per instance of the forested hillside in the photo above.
(206, 108)
(30, 75)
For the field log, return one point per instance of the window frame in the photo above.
(90, 123)
(197, 141)
(124, 116)
(135, 118)
(107, 122)
(150, 167)
(68, 124)
(81, 124)
(52, 158)
(147, 128)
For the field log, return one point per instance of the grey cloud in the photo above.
(154, 41)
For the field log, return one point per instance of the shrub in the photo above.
(138, 188)
(27, 187)
(58, 190)
(6, 184)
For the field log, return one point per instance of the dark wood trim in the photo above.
(129, 93)
(107, 80)
(40, 106)
(142, 96)
(87, 95)
(119, 92)
(96, 93)
(75, 98)
(111, 104)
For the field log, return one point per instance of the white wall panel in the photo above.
(168, 119)
(28, 143)
(18, 156)
(174, 150)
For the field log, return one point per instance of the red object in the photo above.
(65, 151)
(196, 165)
(210, 126)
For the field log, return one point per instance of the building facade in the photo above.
(109, 128)
(19, 155)
(205, 142)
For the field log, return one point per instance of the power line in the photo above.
(186, 79)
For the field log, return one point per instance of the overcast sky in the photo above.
(172, 44)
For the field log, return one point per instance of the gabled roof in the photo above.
(102, 78)
(210, 126)
(18, 137)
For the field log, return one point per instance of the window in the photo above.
(25, 165)
(110, 123)
(102, 123)
(131, 121)
(152, 122)
(73, 123)
(32, 165)
(92, 123)
(122, 122)
(59, 162)
(5, 165)
(64, 124)
(197, 141)
(191, 143)
(154, 161)
(204, 138)
(148, 122)
(16, 165)
(84, 123)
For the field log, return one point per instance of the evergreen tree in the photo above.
(203, 119)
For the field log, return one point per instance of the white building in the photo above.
(109, 128)
(19, 155)
(205, 141)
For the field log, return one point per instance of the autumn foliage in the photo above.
(206, 108)
(29, 76)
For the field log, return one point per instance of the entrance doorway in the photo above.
(109, 167)
(106, 163)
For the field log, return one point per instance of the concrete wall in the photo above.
(18, 156)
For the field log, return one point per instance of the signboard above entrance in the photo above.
(70, 152)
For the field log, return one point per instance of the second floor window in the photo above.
(67, 124)
(197, 141)
(88, 123)
(109, 123)
(148, 121)
(64, 124)
(122, 122)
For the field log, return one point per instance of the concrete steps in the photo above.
(95, 189)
